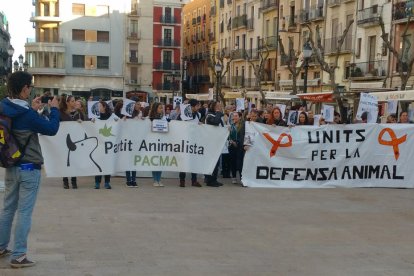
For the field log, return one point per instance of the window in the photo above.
(91, 36)
(46, 9)
(102, 62)
(384, 49)
(78, 61)
(347, 72)
(358, 48)
(103, 36)
(134, 74)
(78, 35)
(316, 75)
(78, 9)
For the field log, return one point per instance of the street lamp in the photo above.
(10, 52)
(20, 62)
(307, 53)
(15, 66)
(218, 69)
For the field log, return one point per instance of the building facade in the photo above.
(5, 58)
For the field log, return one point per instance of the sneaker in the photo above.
(155, 184)
(129, 184)
(160, 184)
(134, 185)
(212, 184)
(108, 186)
(182, 183)
(21, 262)
(97, 185)
(233, 181)
(5, 252)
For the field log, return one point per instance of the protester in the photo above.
(391, 119)
(337, 118)
(195, 106)
(105, 113)
(404, 118)
(276, 118)
(68, 112)
(303, 119)
(214, 117)
(157, 113)
(236, 151)
(22, 181)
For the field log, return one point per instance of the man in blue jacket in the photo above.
(22, 180)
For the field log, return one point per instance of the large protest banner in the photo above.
(359, 155)
(103, 147)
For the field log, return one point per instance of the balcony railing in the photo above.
(292, 21)
(376, 69)
(402, 10)
(240, 21)
(135, 12)
(167, 86)
(240, 54)
(271, 43)
(166, 66)
(250, 24)
(331, 44)
(313, 14)
(238, 81)
(369, 16)
(168, 43)
(250, 82)
(213, 11)
(252, 53)
(136, 60)
(269, 4)
(168, 19)
(134, 35)
(333, 3)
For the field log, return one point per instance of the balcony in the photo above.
(239, 54)
(133, 82)
(135, 35)
(168, 43)
(369, 17)
(331, 45)
(240, 22)
(213, 11)
(237, 81)
(271, 43)
(135, 60)
(135, 12)
(252, 54)
(268, 5)
(169, 86)
(402, 11)
(334, 3)
(168, 19)
(371, 70)
(315, 13)
(292, 21)
(250, 24)
(250, 83)
(221, 4)
(167, 66)
(201, 79)
(36, 17)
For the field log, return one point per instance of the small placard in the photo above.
(159, 126)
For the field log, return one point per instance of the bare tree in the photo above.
(290, 59)
(405, 58)
(319, 53)
(224, 59)
(259, 68)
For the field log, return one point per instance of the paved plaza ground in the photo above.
(219, 231)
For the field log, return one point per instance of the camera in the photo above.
(46, 99)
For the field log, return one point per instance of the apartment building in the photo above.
(79, 47)
(166, 75)
(138, 50)
(5, 58)
(197, 32)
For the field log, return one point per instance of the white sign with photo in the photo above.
(368, 103)
(128, 107)
(292, 118)
(93, 110)
(392, 107)
(239, 104)
(316, 119)
(328, 113)
(282, 108)
(177, 100)
(186, 112)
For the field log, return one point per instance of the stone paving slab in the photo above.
(219, 231)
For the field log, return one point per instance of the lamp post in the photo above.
(20, 65)
(218, 69)
(307, 53)
(10, 52)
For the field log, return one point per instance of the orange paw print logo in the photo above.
(278, 143)
(394, 142)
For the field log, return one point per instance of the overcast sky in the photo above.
(18, 13)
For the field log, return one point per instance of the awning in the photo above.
(280, 96)
(233, 95)
(322, 97)
(402, 95)
(199, 97)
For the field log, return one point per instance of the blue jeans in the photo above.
(156, 176)
(20, 195)
(131, 176)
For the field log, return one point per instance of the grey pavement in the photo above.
(219, 231)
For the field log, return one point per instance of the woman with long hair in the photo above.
(69, 112)
(157, 113)
(236, 151)
(276, 118)
(105, 113)
(303, 119)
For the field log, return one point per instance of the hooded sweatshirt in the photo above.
(25, 122)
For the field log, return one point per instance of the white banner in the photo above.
(359, 155)
(104, 147)
(368, 103)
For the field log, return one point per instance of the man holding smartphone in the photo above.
(22, 180)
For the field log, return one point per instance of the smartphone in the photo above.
(45, 99)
